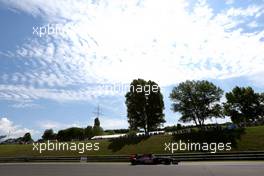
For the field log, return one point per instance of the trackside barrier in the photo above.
(125, 158)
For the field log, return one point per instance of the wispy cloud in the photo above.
(117, 41)
(50, 124)
(24, 103)
(106, 123)
(257, 79)
(229, 2)
(253, 24)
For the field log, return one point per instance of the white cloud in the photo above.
(25, 104)
(257, 79)
(106, 123)
(117, 41)
(11, 130)
(229, 2)
(50, 124)
(112, 123)
(24, 95)
(253, 24)
(251, 10)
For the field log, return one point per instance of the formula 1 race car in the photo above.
(151, 159)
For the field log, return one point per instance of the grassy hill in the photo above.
(251, 140)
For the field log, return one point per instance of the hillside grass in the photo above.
(251, 140)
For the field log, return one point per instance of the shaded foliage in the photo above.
(212, 136)
(88, 132)
(118, 143)
(117, 131)
(144, 106)
(97, 131)
(173, 128)
(27, 138)
(96, 122)
(69, 134)
(48, 135)
(243, 105)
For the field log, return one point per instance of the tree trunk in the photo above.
(146, 122)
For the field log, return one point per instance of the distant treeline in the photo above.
(74, 133)
(117, 131)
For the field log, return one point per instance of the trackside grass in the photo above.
(252, 140)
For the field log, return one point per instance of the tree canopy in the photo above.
(197, 101)
(88, 132)
(96, 122)
(261, 101)
(48, 135)
(69, 134)
(27, 138)
(144, 105)
(243, 105)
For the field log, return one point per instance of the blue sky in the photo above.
(56, 79)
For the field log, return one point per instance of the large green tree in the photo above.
(73, 133)
(88, 131)
(197, 101)
(48, 135)
(97, 129)
(27, 138)
(243, 105)
(144, 105)
(261, 101)
(96, 122)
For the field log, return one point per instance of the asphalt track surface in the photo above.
(124, 169)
